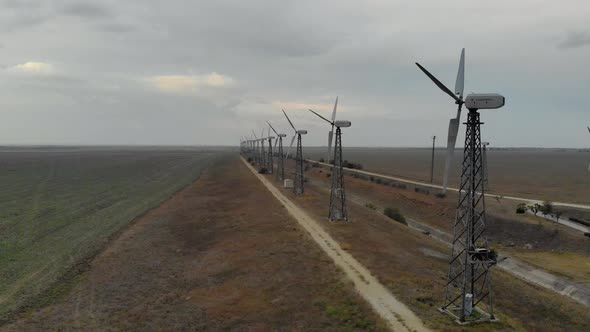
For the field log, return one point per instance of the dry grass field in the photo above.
(414, 266)
(544, 174)
(209, 259)
(507, 231)
(60, 206)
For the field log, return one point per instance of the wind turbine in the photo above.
(469, 286)
(298, 185)
(256, 149)
(337, 210)
(454, 122)
(281, 156)
(269, 158)
(589, 164)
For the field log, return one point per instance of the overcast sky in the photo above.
(207, 72)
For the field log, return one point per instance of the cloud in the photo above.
(575, 39)
(189, 83)
(300, 106)
(85, 10)
(33, 67)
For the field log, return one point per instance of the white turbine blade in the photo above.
(451, 141)
(330, 138)
(589, 129)
(331, 134)
(334, 111)
(273, 129)
(439, 83)
(460, 82)
(291, 123)
(290, 146)
(254, 134)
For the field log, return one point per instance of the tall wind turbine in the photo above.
(269, 157)
(337, 210)
(588, 164)
(298, 185)
(280, 155)
(469, 285)
(454, 122)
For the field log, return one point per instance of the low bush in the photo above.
(263, 170)
(521, 208)
(395, 214)
(440, 195)
(370, 206)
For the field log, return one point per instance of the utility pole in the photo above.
(432, 160)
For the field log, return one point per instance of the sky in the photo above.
(182, 72)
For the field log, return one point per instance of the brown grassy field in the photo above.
(403, 260)
(210, 258)
(506, 230)
(544, 174)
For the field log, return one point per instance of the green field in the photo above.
(60, 206)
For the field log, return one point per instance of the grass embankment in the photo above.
(59, 208)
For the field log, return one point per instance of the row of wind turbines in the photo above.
(255, 149)
(468, 288)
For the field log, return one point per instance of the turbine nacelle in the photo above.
(301, 132)
(342, 123)
(282, 135)
(482, 101)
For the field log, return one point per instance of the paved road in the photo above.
(424, 184)
(576, 291)
(395, 313)
(564, 221)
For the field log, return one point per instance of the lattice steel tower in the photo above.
(299, 178)
(262, 151)
(280, 155)
(270, 159)
(469, 284)
(338, 211)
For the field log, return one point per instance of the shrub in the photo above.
(378, 181)
(372, 179)
(322, 160)
(395, 214)
(263, 170)
(370, 206)
(441, 195)
(521, 208)
(493, 255)
(546, 208)
(249, 159)
(315, 165)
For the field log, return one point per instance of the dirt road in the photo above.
(208, 259)
(397, 314)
